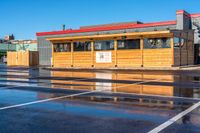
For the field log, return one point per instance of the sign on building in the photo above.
(103, 57)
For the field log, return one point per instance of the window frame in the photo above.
(156, 39)
(127, 45)
(85, 47)
(59, 45)
(112, 42)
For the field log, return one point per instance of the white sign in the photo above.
(103, 57)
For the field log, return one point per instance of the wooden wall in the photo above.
(161, 57)
(120, 58)
(62, 59)
(82, 59)
(33, 58)
(129, 58)
(190, 53)
(177, 57)
(183, 56)
(157, 57)
(22, 58)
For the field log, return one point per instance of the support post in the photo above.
(172, 50)
(115, 49)
(92, 53)
(142, 51)
(187, 47)
(52, 58)
(72, 58)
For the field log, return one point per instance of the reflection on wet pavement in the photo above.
(157, 84)
(129, 101)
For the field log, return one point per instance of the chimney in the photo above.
(63, 27)
(183, 20)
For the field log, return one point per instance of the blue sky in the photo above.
(24, 18)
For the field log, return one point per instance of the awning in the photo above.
(167, 33)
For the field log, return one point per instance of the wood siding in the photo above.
(129, 58)
(124, 59)
(159, 57)
(62, 59)
(22, 58)
(82, 59)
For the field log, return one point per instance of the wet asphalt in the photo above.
(106, 101)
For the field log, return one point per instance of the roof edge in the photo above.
(108, 28)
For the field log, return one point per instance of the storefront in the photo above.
(124, 45)
(138, 49)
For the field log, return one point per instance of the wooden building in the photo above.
(126, 50)
(123, 45)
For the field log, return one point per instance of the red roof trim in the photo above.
(195, 15)
(187, 14)
(180, 12)
(107, 28)
(183, 12)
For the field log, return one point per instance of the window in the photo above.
(153, 43)
(104, 45)
(183, 43)
(62, 47)
(82, 46)
(128, 44)
(179, 42)
(176, 42)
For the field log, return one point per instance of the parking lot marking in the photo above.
(45, 100)
(61, 97)
(150, 95)
(174, 119)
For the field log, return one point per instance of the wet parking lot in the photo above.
(98, 101)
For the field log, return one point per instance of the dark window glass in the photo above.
(104, 45)
(62, 47)
(176, 42)
(183, 43)
(128, 44)
(82, 46)
(153, 43)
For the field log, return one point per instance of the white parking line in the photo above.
(174, 119)
(61, 97)
(151, 95)
(45, 100)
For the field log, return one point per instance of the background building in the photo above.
(10, 44)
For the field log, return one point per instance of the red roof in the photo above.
(187, 14)
(108, 28)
